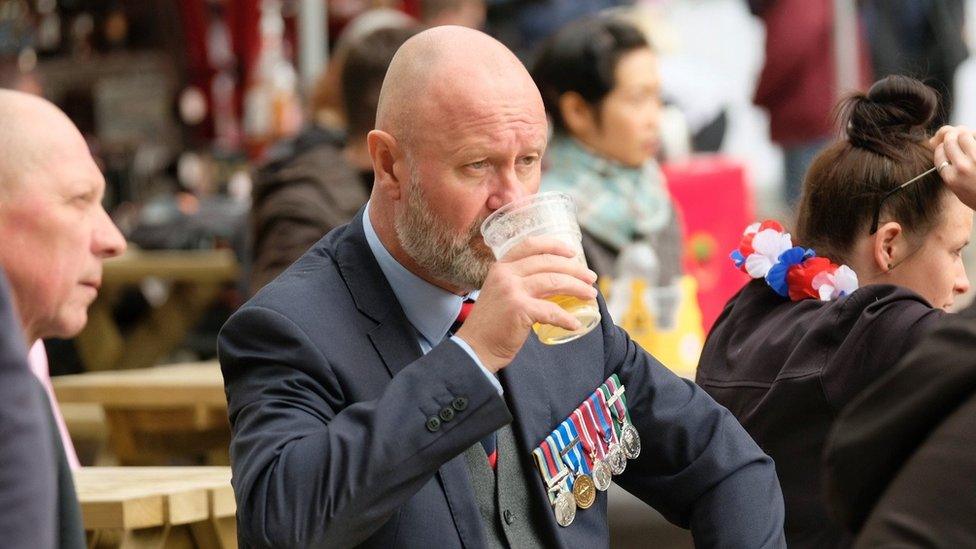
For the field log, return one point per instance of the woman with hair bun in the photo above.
(876, 260)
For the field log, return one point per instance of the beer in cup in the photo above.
(550, 214)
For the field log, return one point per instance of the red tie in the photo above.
(489, 442)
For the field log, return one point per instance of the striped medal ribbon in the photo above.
(629, 437)
(616, 458)
(558, 481)
(585, 425)
(570, 445)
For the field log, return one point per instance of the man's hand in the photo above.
(514, 294)
(957, 145)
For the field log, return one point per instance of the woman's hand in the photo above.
(957, 146)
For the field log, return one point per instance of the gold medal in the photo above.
(584, 491)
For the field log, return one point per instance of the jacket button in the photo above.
(460, 404)
(508, 516)
(433, 423)
(447, 414)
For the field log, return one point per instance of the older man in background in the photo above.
(54, 235)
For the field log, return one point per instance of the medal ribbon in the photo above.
(586, 438)
(546, 468)
(611, 411)
(555, 453)
(599, 405)
(622, 413)
(568, 438)
(554, 463)
(592, 426)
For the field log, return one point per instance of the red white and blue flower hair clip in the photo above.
(765, 251)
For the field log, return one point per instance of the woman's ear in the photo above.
(386, 157)
(579, 116)
(889, 246)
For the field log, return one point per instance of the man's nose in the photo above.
(107, 241)
(508, 189)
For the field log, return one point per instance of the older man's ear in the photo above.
(389, 164)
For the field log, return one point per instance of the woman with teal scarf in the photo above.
(599, 81)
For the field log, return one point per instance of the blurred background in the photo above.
(187, 103)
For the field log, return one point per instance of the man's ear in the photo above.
(890, 247)
(578, 115)
(388, 163)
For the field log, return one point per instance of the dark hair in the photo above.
(582, 57)
(430, 9)
(363, 72)
(886, 144)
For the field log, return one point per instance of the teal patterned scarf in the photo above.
(616, 204)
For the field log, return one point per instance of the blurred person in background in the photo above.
(55, 235)
(466, 13)
(522, 26)
(918, 38)
(326, 104)
(600, 85)
(797, 344)
(900, 462)
(798, 84)
(321, 179)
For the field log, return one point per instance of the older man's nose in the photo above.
(107, 240)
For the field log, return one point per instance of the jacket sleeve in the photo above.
(880, 430)
(28, 488)
(698, 466)
(310, 470)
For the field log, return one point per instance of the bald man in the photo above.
(357, 416)
(54, 235)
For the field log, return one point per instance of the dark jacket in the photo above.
(38, 506)
(900, 462)
(337, 442)
(305, 190)
(785, 369)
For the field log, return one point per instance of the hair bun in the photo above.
(897, 109)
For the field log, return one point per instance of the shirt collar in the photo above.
(430, 309)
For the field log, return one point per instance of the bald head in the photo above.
(445, 70)
(32, 131)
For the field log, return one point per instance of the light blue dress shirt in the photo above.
(430, 310)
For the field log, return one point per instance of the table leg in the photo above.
(144, 538)
(216, 533)
(155, 337)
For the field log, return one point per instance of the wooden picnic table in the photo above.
(192, 279)
(158, 415)
(159, 507)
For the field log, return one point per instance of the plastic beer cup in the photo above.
(544, 214)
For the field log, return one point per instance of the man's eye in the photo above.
(529, 160)
(479, 165)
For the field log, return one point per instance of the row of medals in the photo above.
(583, 494)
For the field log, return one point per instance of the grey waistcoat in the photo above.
(503, 496)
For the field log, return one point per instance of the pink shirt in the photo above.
(37, 357)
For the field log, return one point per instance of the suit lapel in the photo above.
(397, 346)
(392, 336)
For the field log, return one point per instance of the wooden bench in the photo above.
(160, 415)
(160, 507)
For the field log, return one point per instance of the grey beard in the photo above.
(455, 259)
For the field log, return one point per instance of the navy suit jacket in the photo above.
(329, 399)
(28, 483)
